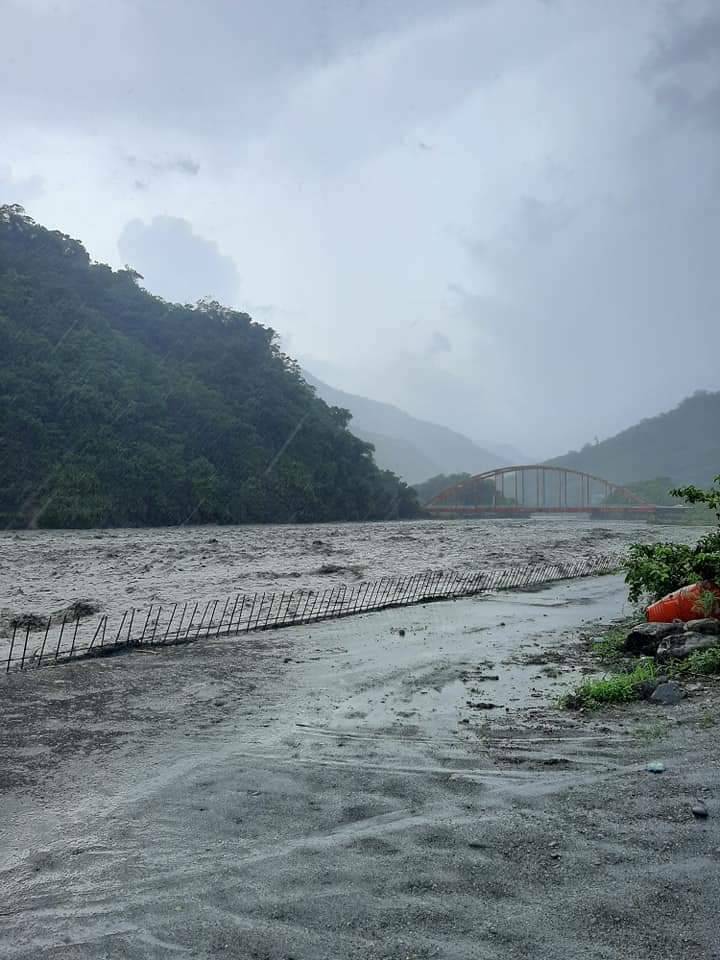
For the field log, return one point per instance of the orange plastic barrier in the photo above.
(682, 604)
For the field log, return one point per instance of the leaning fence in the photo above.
(61, 639)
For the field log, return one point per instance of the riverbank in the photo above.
(345, 790)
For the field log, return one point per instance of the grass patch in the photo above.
(625, 683)
(701, 663)
(614, 688)
(609, 647)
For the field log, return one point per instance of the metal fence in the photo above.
(62, 639)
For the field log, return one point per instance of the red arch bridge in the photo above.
(535, 488)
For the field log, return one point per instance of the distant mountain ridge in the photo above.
(413, 449)
(683, 443)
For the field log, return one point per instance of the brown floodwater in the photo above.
(42, 571)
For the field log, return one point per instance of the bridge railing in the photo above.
(62, 640)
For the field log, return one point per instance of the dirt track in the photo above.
(316, 793)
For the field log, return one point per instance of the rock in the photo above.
(645, 637)
(680, 647)
(647, 688)
(655, 766)
(483, 705)
(401, 632)
(699, 810)
(709, 626)
(667, 694)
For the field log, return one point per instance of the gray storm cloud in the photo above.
(534, 185)
(177, 264)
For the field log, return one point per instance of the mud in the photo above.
(328, 792)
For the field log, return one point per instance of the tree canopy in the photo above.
(119, 408)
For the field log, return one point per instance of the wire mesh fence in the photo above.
(60, 640)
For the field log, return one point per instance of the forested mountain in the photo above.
(472, 493)
(434, 485)
(117, 407)
(414, 449)
(682, 444)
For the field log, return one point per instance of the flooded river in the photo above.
(44, 571)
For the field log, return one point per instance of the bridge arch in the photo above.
(536, 488)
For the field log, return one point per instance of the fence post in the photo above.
(232, 613)
(308, 594)
(97, 631)
(389, 586)
(62, 631)
(147, 621)
(251, 613)
(269, 613)
(117, 636)
(12, 645)
(238, 629)
(189, 626)
(202, 620)
(155, 625)
(339, 600)
(132, 621)
(170, 621)
(222, 617)
(42, 648)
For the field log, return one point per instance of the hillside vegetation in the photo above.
(118, 408)
(682, 444)
(474, 492)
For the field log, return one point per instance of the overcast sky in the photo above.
(503, 215)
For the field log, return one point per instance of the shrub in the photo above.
(654, 570)
(614, 688)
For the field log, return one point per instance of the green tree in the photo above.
(118, 408)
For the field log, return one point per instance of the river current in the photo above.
(44, 571)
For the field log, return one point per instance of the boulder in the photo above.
(645, 637)
(668, 694)
(647, 688)
(681, 646)
(709, 626)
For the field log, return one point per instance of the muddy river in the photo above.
(44, 571)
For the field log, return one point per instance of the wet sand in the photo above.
(336, 792)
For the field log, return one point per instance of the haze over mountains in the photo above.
(121, 408)
(414, 449)
(683, 444)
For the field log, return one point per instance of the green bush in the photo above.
(654, 570)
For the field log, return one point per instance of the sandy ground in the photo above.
(337, 792)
